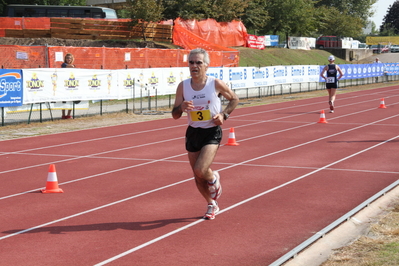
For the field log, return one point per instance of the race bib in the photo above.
(200, 115)
(330, 80)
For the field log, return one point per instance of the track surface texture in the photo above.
(130, 199)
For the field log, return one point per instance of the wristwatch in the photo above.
(225, 116)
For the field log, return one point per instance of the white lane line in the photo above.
(100, 174)
(235, 205)
(87, 156)
(160, 129)
(92, 210)
(234, 165)
(153, 143)
(319, 102)
(270, 154)
(23, 231)
(94, 139)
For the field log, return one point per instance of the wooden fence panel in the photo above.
(67, 28)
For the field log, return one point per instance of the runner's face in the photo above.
(197, 65)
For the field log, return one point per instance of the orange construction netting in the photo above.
(222, 34)
(220, 55)
(24, 23)
(18, 57)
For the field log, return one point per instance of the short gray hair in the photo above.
(203, 52)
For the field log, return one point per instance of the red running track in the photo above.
(129, 196)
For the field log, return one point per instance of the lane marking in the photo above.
(263, 156)
(169, 127)
(234, 206)
(186, 180)
(196, 222)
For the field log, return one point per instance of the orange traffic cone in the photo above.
(382, 104)
(232, 138)
(322, 117)
(52, 182)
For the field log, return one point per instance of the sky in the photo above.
(380, 9)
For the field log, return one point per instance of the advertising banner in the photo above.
(69, 84)
(150, 82)
(271, 40)
(48, 85)
(392, 69)
(11, 89)
(256, 42)
(303, 43)
(358, 71)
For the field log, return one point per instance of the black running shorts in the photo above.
(332, 85)
(196, 138)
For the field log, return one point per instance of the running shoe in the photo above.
(216, 188)
(331, 107)
(212, 210)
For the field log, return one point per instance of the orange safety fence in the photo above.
(219, 55)
(227, 34)
(23, 23)
(117, 58)
(17, 57)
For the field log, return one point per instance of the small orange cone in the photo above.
(232, 138)
(52, 182)
(382, 104)
(322, 117)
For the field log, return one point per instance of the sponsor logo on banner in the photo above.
(280, 74)
(71, 83)
(10, 88)
(216, 73)
(237, 77)
(34, 83)
(258, 74)
(259, 77)
(153, 80)
(343, 71)
(171, 79)
(94, 83)
(297, 74)
(128, 83)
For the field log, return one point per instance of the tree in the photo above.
(256, 15)
(220, 10)
(144, 11)
(291, 17)
(361, 9)
(390, 23)
(338, 23)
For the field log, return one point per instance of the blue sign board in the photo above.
(392, 69)
(271, 40)
(11, 93)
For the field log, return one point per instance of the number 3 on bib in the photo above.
(203, 115)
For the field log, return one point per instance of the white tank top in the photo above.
(206, 103)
